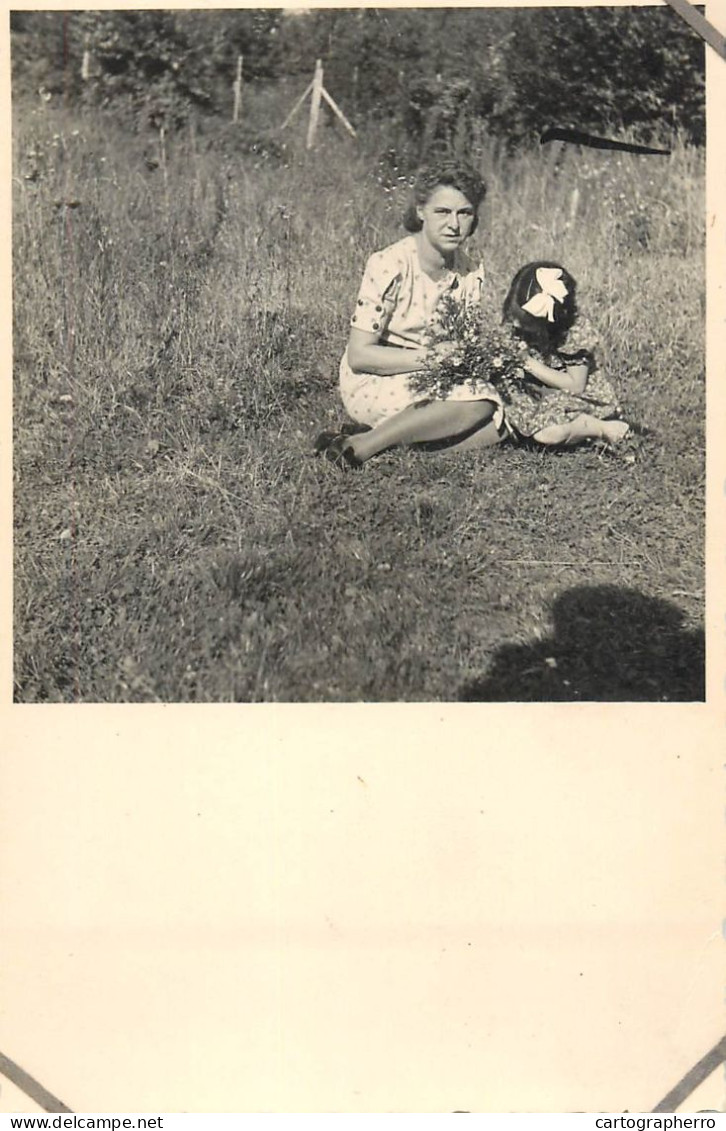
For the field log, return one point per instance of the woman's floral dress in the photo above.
(398, 301)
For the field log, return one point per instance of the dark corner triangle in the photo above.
(28, 1084)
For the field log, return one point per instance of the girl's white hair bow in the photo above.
(542, 305)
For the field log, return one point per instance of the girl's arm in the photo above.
(571, 382)
(367, 355)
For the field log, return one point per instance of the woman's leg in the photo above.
(583, 427)
(437, 420)
(487, 436)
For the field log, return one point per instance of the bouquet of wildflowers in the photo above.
(482, 351)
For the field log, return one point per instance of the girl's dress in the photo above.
(397, 301)
(532, 406)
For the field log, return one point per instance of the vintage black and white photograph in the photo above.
(358, 355)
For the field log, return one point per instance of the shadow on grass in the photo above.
(608, 645)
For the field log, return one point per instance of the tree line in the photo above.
(512, 71)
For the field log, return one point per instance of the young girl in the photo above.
(555, 397)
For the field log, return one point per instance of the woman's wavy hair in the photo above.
(429, 177)
(540, 332)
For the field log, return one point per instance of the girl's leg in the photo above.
(583, 427)
(437, 420)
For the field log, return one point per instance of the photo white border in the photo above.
(61, 762)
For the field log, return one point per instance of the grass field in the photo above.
(179, 312)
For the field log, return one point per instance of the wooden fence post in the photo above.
(297, 105)
(237, 87)
(317, 92)
(315, 98)
(336, 110)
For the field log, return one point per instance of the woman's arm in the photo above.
(367, 355)
(571, 382)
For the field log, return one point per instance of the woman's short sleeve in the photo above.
(378, 294)
(472, 286)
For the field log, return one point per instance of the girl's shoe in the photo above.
(642, 431)
(614, 431)
(340, 452)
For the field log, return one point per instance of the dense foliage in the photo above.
(607, 67)
(428, 76)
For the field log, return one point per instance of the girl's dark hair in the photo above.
(540, 332)
(445, 172)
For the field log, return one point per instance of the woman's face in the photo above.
(447, 218)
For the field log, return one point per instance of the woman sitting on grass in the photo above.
(554, 397)
(389, 335)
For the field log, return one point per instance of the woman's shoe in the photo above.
(323, 441)
(340, 452)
